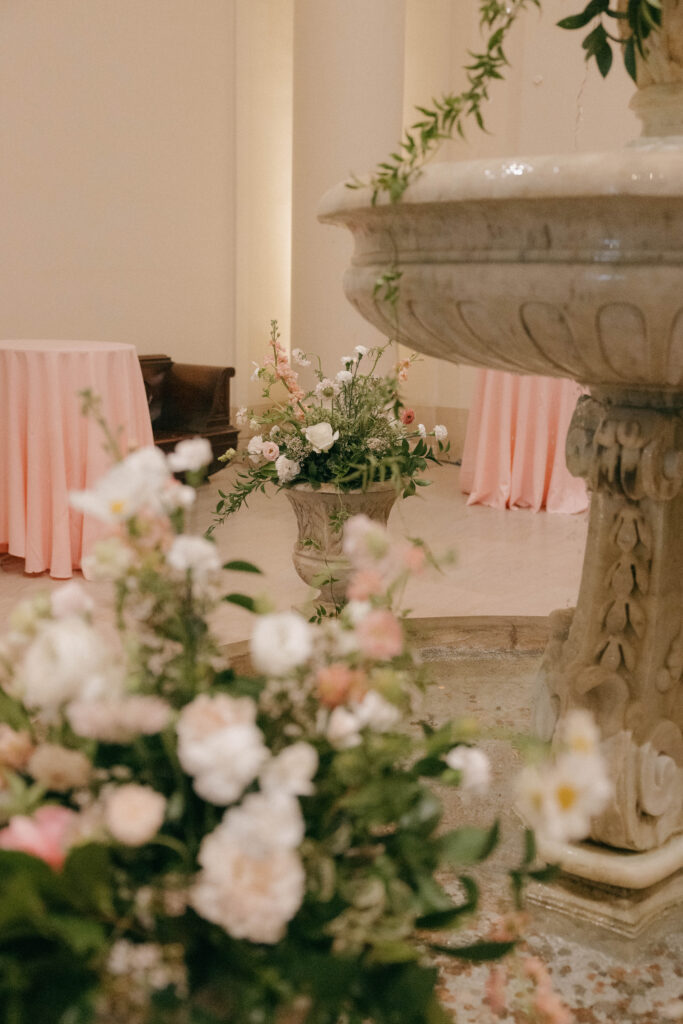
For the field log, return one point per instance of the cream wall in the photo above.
(263, 187)
(117, 176)
(348, 96)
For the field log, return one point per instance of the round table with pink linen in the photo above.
(48, 448)
(514, 454)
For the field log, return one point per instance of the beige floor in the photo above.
(508, 563)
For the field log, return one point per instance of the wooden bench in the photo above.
(186, 400)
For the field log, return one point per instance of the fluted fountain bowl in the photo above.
(567, 266)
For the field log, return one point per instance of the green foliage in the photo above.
(642, 17)
(448, 116)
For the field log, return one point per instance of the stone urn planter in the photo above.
(572, 266)
(320, 514)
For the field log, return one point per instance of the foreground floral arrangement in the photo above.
(351, 430)
(183, 844)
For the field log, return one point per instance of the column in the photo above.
(348, 104)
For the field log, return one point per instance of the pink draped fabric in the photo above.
(47, 448)
(514, 448)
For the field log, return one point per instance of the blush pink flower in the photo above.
(496, 996)
(550, 1007)
(15, 747)
(379, 635)
(364, 584)
(270, 451)
(407, 417)
(413, 557)
(402, 369)
(338, 683)
(45, 835)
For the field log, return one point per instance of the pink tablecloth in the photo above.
(514, 448)
(47, 448)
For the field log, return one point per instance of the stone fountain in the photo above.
(572, 266)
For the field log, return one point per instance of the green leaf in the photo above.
(603, 58)
(630, 58)
(242, 600)
(86, 877)
(592, 10)
(468, 845)
(478, 952)
(450, 916)
(392, 952)
(239, 566)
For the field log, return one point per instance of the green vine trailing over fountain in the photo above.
(447, 118)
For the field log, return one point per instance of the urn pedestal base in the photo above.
(320, 514)
(607, 917)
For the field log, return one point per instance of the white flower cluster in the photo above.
(558, 801)
(144, 481)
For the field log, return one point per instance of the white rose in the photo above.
(134, 814)
(193, 554)
(291, 771)
(220, 745)
(280, 642)
(320, 436)
(249, 897)
(190, 455)
(287, 469)
(376, 712)
(255, 447)
(440, 432)
(178, 496)
(66, 660)
(265, 822)
(343, 728)
(70, 599)
(474, 766)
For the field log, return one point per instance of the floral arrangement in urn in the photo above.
(183, 844)
(350, 431)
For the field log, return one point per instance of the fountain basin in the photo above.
(566, 266)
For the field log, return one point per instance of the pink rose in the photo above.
(270, 451)
(45, 835)
(364, 584)
(379, 635)
(337, 683)
(407, 417)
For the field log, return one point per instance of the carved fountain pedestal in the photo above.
(572, 266)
